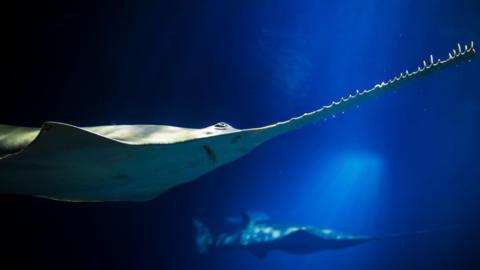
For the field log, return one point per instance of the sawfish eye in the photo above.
(221, 126)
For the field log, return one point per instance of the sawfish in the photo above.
(262, 237)
(139, 162)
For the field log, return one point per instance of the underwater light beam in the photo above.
(346, 184)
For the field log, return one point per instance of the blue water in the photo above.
(406, 161)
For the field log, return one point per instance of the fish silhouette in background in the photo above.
(260, 237)
(139, 162)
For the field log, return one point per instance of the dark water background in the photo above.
(405, 161)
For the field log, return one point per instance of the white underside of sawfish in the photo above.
(139, 162)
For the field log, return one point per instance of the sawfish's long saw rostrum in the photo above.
(461, 54)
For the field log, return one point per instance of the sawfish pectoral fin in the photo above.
(54, 136)
(14, 139)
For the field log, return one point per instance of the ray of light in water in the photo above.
(348, 189)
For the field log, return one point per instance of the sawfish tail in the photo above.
(456, 56)
(203, 237)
